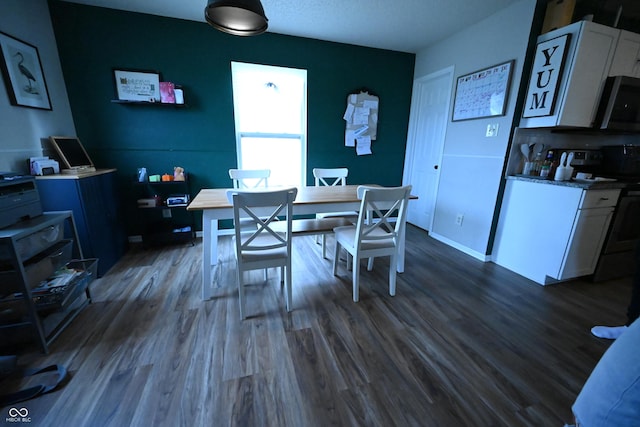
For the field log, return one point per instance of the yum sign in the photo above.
(545, 76)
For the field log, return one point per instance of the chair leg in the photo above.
(324, 246)
(240, 292)
(393, 266)
(349, 260)
(370, 264)
(355, 279)
(282, 278)
(288, 286)
(336, 256)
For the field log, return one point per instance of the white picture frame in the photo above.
(483, 93)
(137, 85)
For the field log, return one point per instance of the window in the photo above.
(270, 109)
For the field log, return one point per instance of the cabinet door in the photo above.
(588, 74)
(62, 194)
(586, 67)
(585, 243)
(107, 240)
(626, 60)
(95, 205)
(535, 224)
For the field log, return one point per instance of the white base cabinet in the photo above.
(550, 233)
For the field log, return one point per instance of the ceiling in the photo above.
(400, 25)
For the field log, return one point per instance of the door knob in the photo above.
(435, 167)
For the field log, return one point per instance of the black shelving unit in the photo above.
(163, 220)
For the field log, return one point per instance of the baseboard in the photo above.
(461, 248)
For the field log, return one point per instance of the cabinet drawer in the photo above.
(12, 310)
(600, 198)
(43, 266)
(56, 296)
(30, 245)
(37, 269)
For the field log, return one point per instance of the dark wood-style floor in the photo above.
(464, 343)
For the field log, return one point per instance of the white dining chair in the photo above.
(374, 234)
(263, 248)
(250, 178)
(331, 177)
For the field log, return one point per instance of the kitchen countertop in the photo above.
(598, 185)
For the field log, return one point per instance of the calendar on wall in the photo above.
(483, 93)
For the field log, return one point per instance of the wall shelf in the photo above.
(155, 104)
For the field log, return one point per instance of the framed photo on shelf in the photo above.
(22, 73)
(483, 93)
(137, 85)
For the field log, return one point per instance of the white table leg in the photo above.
(209, 252)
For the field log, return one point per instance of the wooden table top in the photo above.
(216, 198)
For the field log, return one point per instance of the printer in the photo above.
(19, 198)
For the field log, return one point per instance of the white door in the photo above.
(425, 141)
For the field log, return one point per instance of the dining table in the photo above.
(215, 206)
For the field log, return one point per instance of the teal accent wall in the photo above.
(201, 138)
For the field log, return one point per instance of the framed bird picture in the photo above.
(22, 72)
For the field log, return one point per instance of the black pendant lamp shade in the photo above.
(237, 17)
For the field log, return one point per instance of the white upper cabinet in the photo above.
(626, 60)
(588, 58)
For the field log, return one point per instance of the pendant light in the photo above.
(237, 17)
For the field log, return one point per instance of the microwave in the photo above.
(619, 107)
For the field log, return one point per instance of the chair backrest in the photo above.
(263, 207)
(378, 206)
(330, 177)
(250, 178)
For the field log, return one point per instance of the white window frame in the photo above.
(301, 136)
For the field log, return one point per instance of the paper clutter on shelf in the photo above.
(167, 94)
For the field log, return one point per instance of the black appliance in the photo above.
(621, 161)
(618, 253)
(619, 107)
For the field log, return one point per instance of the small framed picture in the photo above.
(22, 72)
(137, 85)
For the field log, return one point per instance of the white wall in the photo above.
(23, 130)
(472, 164)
